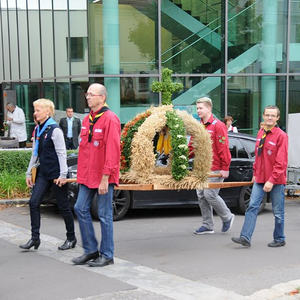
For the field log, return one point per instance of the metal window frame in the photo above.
(158, 75)
(9, 52)
(3, 65)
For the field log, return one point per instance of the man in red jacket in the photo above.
(209, 199)
(97, 173)
(269, 175)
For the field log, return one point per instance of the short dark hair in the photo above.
(272, 107)
(228, 118)
(69, 108)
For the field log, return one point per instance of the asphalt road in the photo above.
(159, 240)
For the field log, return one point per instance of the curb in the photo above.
(14, 201)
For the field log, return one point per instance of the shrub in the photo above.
(14, 161)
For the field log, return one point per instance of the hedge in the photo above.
(14, 161)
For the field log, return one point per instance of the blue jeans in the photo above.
(105, 214)
(257, 195)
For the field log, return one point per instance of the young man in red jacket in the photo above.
(269, 175)
(97, 173)
(209, 199)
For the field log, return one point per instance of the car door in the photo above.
(240, 169)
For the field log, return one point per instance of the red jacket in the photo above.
(271, 165)
(102, 155)
(220, 145)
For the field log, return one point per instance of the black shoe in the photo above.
(31, 243)
(242, 241)
(68, 244)
(81, 260)
(276, 244)
(101, 262)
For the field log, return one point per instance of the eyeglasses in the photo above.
(270, 116)
(90, 95)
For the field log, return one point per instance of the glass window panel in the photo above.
(257, 36)
(78, 41)
(195, 88)
(26, 94)
(250, 146)
(14, 44)
(138, 52)
(247, 97)
(23, 39)
(79, 87)
(47, 41)
(295, 37)
(192, 38)
(294, 94)
(48, 90)
(62, 95)
(61, 35)
(5, 44)
(33, 4)
(45, 4)
(61, 4)
(34, 39)
(77, 4)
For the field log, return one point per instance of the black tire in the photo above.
(291, 193)
(121, 205)
(244, 200)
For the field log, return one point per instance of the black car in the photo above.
(242, 152)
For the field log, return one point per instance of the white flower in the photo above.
(179, 136)
(176, 126)
(183, 167)
(183, 157)
(183, 146)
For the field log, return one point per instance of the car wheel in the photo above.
(121, 205)
(244, 200)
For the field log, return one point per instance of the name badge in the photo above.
(98, 130)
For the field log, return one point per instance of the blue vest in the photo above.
(49, 165)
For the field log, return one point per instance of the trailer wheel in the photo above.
(244, 200)
(120, 204)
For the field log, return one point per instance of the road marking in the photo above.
(142, 277)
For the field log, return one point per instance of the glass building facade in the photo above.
(243, 54)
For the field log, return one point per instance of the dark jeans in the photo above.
(69, 144)
(42, 185)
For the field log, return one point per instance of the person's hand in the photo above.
(9, 119)
(268, 186)
(253, 179)
(60, 181)
(103, 186)
(29, 182)
(224, 174)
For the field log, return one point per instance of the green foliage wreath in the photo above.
(179, 145)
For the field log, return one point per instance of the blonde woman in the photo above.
(50, 150)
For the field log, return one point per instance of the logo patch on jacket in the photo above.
(96, 143)
(98, 130)
(269, 152)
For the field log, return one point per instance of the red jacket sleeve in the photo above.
(112, 145)
(191, 148)
(281, 159)
(222, 146)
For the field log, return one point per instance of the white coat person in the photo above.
(16, 120)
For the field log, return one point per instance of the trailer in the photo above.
(293, 171)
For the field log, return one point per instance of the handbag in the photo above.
(34, 171)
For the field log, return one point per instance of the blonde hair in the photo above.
(207, 101)
(45, 103)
